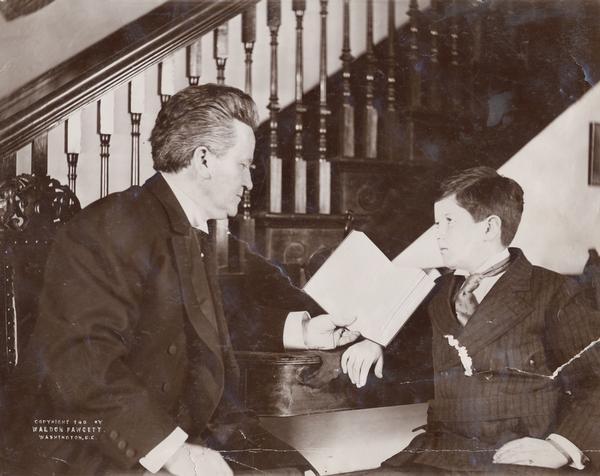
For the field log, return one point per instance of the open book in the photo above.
(358, 280)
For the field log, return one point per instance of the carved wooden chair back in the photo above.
(31, 210)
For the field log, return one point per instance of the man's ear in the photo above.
(200, 161)
(493, 227)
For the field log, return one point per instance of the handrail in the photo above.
(49, 99)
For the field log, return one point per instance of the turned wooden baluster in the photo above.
(390, 123)
(275, 163)
(39, 155)
(509, 22)
(391, 57)
(413, 56)
(248, 39)
(73, 147)
(194, 62)
(23, 162)
(454, 59)
(475, 60)
(435, 98)
(323, 172)
(370, 111)
(347, 124)
(8, 166)
(247, 225)
(526, 32)
(414, 77)
(477, 45)
(166, 82)
(220, 54)
(523, 32)
(105, 130)
(524, 47)
(299, 6)
(137, 94)
(221, 50)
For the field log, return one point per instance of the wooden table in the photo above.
(341, 441)
(352, 440)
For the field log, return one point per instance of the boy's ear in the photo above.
(493, 227)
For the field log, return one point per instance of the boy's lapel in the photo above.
(444, 319)
(440, 308)
(507, 304)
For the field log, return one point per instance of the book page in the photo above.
(349, 282)
(359, 281)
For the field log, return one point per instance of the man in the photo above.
(515, 362)
(131, 337)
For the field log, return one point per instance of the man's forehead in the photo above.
(242, 129)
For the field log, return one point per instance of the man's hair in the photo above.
(198, 116)
(483, 192)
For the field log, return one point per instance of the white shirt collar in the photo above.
(488, 263)
(194, 212)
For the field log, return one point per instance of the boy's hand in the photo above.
(358, 359)
(530, 452)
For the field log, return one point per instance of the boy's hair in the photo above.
(198, 116)
(483, 192)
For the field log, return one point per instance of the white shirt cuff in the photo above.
(161, 453)
(293, 330)
(569, 448)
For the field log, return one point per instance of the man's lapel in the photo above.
(506, 304)
(215, 287)
(183, 243)
(183, 250)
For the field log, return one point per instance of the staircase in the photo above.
(450, 84)
(434, 87)
(473, 83)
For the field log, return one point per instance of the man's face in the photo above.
(459, 237)
(229, 174)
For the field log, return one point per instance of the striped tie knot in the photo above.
(465, 302)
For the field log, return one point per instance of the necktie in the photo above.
(201, 275)
(465, 302)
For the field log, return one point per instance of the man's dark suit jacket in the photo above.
(123, 314)
(531, 322)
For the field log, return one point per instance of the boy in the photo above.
(515, 361)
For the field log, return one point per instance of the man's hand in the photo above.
(195, 460)
(530, 452)
(358, 359)
(326, 332)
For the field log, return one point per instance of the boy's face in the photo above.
(459, 237)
